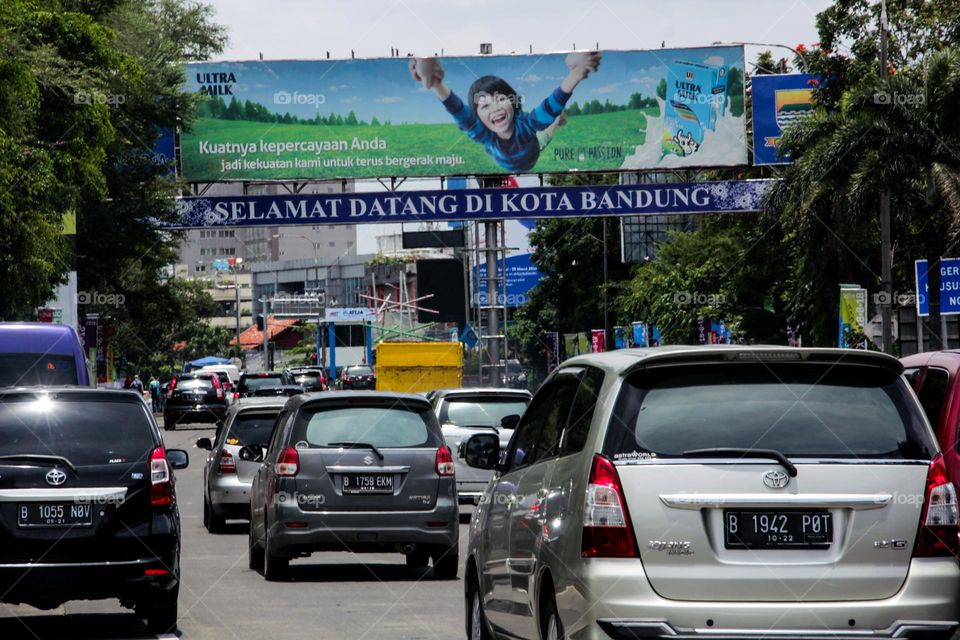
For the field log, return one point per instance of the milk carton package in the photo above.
(696, 97)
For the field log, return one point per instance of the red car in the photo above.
(935, 377)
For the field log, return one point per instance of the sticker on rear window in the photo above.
(303, 444)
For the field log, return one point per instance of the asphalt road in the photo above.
(329, 595)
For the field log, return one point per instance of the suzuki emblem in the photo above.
(367, 460)
(56, 477)
(776, 479)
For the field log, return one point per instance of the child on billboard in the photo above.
(494, 115)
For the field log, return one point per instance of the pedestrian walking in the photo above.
(154, 387)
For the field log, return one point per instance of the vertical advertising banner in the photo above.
(778, 101)
(853, 317)
(598, 341)
(640, 336)
(552, 342)
(453, 116)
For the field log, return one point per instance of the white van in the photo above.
(231, 370)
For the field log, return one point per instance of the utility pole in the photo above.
(607, 329)
(886, 248)
(493, 299)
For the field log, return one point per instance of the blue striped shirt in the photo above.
(519, 152)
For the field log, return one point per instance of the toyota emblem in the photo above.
(776, 479)
(55, 477)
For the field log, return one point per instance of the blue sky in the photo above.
(383, 87)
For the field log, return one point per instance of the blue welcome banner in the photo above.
(736, 196)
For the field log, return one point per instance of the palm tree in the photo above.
(900, 133)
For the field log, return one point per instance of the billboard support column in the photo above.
(493, 299)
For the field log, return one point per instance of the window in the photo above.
(251, 428)
(538, 435)
(581, 414)
(479, 410)
(28, 369)
(811, 410)
(385, 426)
(932, 394)
(332, 243)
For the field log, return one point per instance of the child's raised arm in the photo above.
(429, 73)
(582, 64)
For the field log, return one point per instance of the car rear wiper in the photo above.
(770, 454)
(357, 445)
(40, 457)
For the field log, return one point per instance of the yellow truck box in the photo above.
(415, 367)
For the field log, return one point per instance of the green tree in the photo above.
(573, 109)
(898, 134)
(662, 89)
(735, 92)
(351, 119)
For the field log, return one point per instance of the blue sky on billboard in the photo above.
(379, 88)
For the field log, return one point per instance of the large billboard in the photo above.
(778, 101)
(454, 116)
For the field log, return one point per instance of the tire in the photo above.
(255, 552)
(446, 562)
(275, 568)
(418, 559)
(160, 614)
(214, 523)
(477, 621)
(551, 625)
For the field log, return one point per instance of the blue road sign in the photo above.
(949, 287)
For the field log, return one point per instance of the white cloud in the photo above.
(388, 100)
(350, 100)
(607, 88)
(715, 60)
(338, 87)
(530, 77)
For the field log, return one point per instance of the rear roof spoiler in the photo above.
(770, 355)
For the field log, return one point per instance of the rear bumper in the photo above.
(209, 413)
(361, 531)
(926, 606)
(57, 582)
(230, 497)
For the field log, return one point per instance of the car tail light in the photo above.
(173, 385)
(227, 464)
(939, 530)
(444, 461)
(161, 480)
(607, 532)
(288, 464)
(236, 394)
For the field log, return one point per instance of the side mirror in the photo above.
(510, 422)
(205, 443)
(481, 451)
(178, 458)
(252, 452)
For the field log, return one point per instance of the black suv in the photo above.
(358, 376)
(88, 508)
(310, 378)
(252, 382)
(195, 397)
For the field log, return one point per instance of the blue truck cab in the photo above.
(37, 353)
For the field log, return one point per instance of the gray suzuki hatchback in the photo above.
(716, 493)
(354, 471)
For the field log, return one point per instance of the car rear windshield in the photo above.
(252, 428)
(35, 369)
(386, 426)
(309, 377)
(191, 384)
(359, 371)
(465, 412)
(260, 382)
(86, 432)
(800, 410)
